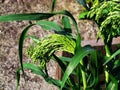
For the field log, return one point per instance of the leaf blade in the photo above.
(49, 25)
(29, 16)
(112, 56)
(75, 60)
(20, 47)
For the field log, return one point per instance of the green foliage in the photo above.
(38, 71)
(83, 69)
(107, 16)
(42, 51)
(80, 54)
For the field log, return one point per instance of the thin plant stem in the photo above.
(83, 76)
(108, 54)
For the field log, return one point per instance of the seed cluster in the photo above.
(107, 16)
(42, 51)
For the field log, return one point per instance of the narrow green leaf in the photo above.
(79, 55)
(83, 15)
(36, 16)
(53, 5)
(113, 85)
(37, 70)
(30, 16)
(63, 67)
(49, 25)
(112, 56)
(66, 23)
(71, 16)
(94, 70)
(34, 38)
(17, 78)
(78, 43)
(65, 59)
(20, 48)
(34, 68)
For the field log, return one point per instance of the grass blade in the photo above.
(53, 5)
(78, 43)
(63, 67)
(34, 38)
(49, 25)
(35, 16)
(37, 70)
(112, 56)
(66, 23)
(80, 54)
(20, 48)
(30, 16)
(113, 85)
(17, 78)
(71, 16)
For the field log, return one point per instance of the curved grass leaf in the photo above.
(71, 16)
(49, 25)
(23, 34)
(37, 70)
(112, 56)
(63, 67)
(21, 42)
(79, 55)
(20, 48)
(34, 38)
(29, 16)
(36, 16)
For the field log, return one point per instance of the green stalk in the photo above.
(108, 50)
(108, 54)
(83, 76)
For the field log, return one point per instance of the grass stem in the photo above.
(108, 54)
(83, 76)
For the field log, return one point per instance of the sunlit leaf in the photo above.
(49, 25)
(79, 55)
(112, 56)
(29, 16)
(83, 15)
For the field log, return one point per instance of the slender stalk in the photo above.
(108, 54)
(108, 50)
(83, 76)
